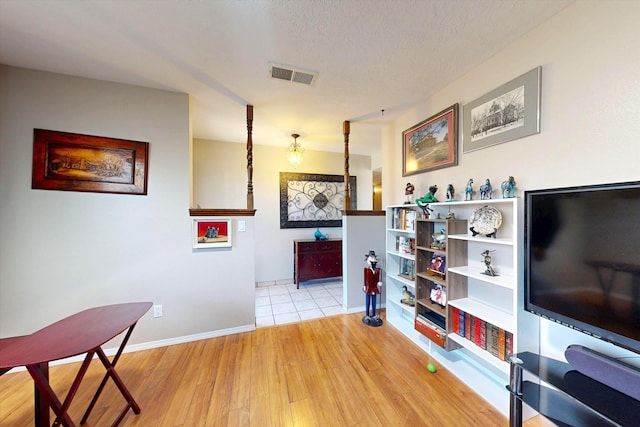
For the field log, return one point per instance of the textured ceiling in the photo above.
(370, 55)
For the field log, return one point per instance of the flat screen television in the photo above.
(582, 259)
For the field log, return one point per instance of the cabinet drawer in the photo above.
(431, 332)
(319, 246)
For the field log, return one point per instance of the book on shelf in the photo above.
(403, 219)
(467, 326)
(483, 334)
(455, 313)
(472, 330)
(508, 343)
(501, 344)
(478, 335)
(432, 322)
(494, 340)
(409, 220)
(405, 244)
(489, 337)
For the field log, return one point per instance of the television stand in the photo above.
(567, 397)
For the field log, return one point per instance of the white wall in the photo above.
(62, 251)
(361, 235)
(220, 180)
(590, 117)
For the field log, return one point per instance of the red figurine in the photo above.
(371, 288)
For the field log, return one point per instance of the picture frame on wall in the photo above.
(211, 233)
(508, 112)
(431, 144)
(314, 200)
(75, 162)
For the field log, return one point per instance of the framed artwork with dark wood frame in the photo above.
(313, 200)
(75, 162)
(432, 143)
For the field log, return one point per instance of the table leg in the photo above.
(111, 372)
(46, 398)
(41, 406)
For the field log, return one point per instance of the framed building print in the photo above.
(508, 112)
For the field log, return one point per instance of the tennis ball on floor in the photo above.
(432, 368)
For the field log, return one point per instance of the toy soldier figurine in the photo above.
(371, 288)
(408, 191)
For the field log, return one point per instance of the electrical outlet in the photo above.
(157, 310)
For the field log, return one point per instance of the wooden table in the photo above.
(83, 332)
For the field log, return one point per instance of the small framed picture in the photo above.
(438, 264)
(438, 294)
(212, 233)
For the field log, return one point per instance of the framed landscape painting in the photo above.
(431, 144)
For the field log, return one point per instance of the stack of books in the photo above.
(485, 335)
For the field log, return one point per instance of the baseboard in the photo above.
(153, 344)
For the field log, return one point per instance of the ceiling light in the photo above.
(294, 154)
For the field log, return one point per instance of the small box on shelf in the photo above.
(407, 268)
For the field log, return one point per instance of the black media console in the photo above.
(565, 396)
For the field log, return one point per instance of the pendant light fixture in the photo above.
(295, 151)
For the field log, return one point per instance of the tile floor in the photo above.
(279, 304)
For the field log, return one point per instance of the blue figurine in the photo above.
(486, 190)
(508, 188)
(319, 236)
(468, 190)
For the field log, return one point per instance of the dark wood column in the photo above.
(347, 190)
(249, 157)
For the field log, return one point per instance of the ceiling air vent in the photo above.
(283, 72)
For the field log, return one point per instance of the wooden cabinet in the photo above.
(433, 257)
(316, 259)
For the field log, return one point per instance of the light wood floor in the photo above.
(326, 372)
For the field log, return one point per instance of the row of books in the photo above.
(403, 219)
(485, 335)
(405, 245)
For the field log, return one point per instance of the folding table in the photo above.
(83, 332)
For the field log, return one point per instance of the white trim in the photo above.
(153, 344)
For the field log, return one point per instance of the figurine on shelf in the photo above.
(424, 201)
(485, 190)
(468, 190)
(371, 288)
(438, 240)
(408, 191)
(407, 297)
(319, 236)
(508, 188)
(450, 193)
(487, 262)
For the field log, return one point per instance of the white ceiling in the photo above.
(371, 55)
